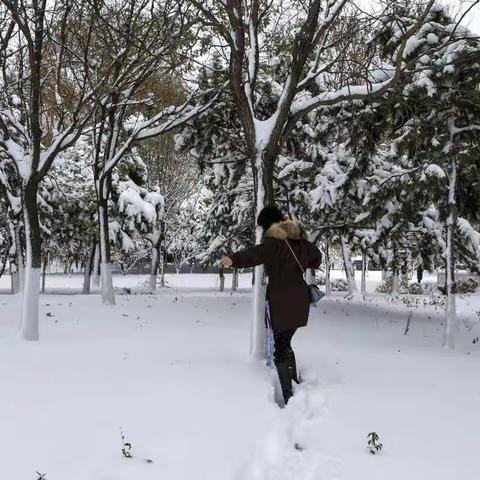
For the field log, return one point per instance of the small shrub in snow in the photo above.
(339, 285)
(462, 286)
(142, 288)
(466, 285)
(415, 289)
(373, 444)
(126, 446)
(410, 302)
(319, 278)
(436, 301)
(430, 288)
(122, 291)
(41, 476)
(386, 287)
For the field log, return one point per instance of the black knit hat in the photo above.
(268, 216)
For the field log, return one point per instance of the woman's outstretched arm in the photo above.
(250, 257)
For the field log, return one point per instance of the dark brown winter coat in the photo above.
(287, 291)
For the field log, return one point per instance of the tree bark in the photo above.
(395, 291)
(395, 282)
(108, 295)
(15, 258)
(349, 272)
(451, 309)
(364, 274)
(162, 268)
(30, 302)
(328, 285)
(20, 260)
(44, 271)
(89, 266)
(234, 280)
(154, 266)
(96, 266)
(258, 334)
(222, 279)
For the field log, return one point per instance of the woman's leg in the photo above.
(282, 358)
(283, 344)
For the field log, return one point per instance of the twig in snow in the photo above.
(407, 328)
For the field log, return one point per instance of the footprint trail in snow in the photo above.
(290, 450)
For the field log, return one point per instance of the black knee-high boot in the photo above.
(285, 377)
(293, 366)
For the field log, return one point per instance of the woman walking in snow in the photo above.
(285, 252)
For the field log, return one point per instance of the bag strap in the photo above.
(296, 258)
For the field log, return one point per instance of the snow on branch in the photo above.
(168, 119)
(470, 236)
(361, 92)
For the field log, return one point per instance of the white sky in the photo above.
(472, 19)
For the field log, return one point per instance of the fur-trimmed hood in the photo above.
(286, 229)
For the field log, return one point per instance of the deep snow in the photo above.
(173, 371)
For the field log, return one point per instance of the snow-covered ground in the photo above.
(172, 370)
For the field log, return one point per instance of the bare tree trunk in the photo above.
(5, 258)
(162, 268)
(328, 285)
(364, 274)
(30, 303)
(258, 334)
(222, 279)
(451, 309)
(14, 279)
(89, 265)
(96, 266)
(349, 272)
(395, 282)
(154, 266)
(108, 295)
(15, 258)
(19, 281)
(395, 275)
(44, 271)
(234, 280)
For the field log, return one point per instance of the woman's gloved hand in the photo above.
(226, 261)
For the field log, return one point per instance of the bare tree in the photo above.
(36, 121)
(148, 36)
(51, 85)
(176, 177)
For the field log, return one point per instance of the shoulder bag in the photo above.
(314, 293)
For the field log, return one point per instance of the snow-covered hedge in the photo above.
(319, 278)
(339, 285)
(415, 289)
(386, 287)
(463, 286)
(466, 285)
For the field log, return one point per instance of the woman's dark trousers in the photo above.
(284, 359)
